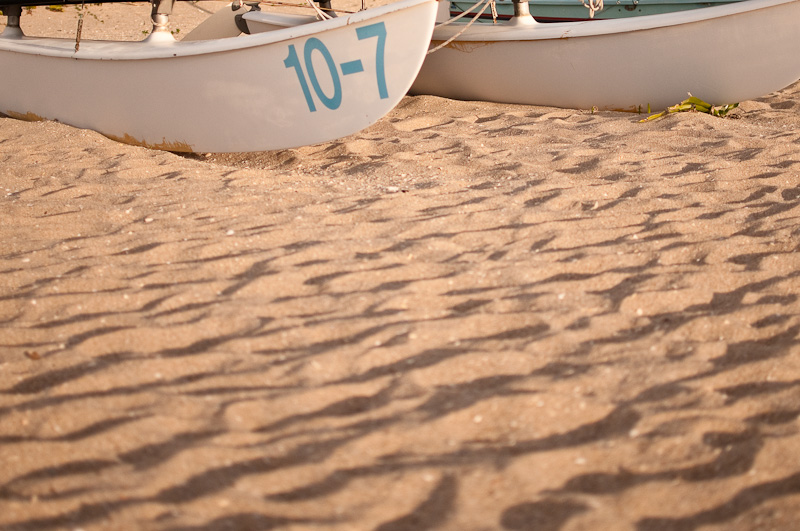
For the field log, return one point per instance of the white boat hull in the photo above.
(723, 54)
(276, 90)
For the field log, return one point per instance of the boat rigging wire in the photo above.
(304, 5)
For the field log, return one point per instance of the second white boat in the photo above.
(723, 54)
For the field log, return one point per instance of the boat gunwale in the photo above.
(613, 3)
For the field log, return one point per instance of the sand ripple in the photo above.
(469, 316)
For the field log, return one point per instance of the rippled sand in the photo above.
(468, 316)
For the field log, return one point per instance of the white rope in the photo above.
(592, 6)
(486, 4)
(80, 26)
(464, 13)
(320, 13)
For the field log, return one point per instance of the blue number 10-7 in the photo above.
(351, 67)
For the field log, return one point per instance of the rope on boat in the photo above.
(592, 6)
(320, 13)
(466, 12)
(80, 28)
(485, 3)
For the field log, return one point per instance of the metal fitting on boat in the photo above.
(160, 15)
(521, 8)
(13, 13)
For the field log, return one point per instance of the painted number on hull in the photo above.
(313, 45)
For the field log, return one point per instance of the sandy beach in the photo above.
(469, 316)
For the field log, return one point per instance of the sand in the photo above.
(469, 316)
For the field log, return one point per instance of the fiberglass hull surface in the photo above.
(723, 54)
(276, 90)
